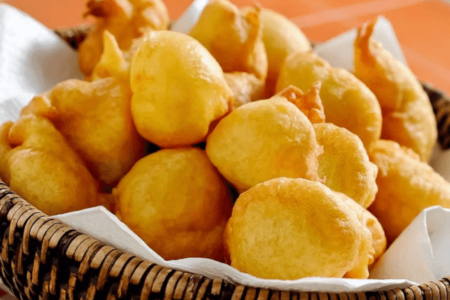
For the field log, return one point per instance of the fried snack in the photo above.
(179, 195)
(406, 186)
(178, 90)
(263, 140)
(245, 86)
(39, 165)
(112, 62)
(347, 101)
(233, 37)
(345, 164)
(294, 228)
(408, 117)
(125, 19)
(95, 118)
(281, 38)
(310, 103)
(371, 222)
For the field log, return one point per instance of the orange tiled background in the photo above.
(423, 27)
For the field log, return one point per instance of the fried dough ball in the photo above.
(345, 164)
(406, 186)
(347, 101)
(180, 196)
(371, 222)
(281, 38)
(125, 19)
(262, 140)
(178, 90)
(245, 86)
(294, 228)
(408, 117)
(39, 165)
(95, 118)
(233, 37)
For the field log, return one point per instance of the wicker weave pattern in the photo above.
(42, 258)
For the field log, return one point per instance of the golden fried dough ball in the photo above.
(39, 165)
(374, 226)
(125, 19)
(245, 86)
(177, 202)
(294, 228)
(281, 38)
(95, 118)
(408, 117)
(406, 186)
(347, 101)
(262, 140)
(233, 37)
(345, 164)
(178, 90)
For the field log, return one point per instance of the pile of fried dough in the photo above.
(168, 129)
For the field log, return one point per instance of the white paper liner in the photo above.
(33, 59)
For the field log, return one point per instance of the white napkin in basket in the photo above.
(40, 59)
(32, 60)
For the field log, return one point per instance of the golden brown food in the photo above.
(347, 101)
(262, 140)
(112, 62)
(408, 117)
(371, 222)
(345, 164)
(281, 38)
(180, 196)
(245, 86)
(309, 103)
(406, 186)
(125, 19)
(294, 228)
(95, 119)
(178, 90)
(39, 165)
(233, 37)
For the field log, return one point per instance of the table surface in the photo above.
(422, 26)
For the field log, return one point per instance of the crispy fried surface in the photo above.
(95, 118)
(177, 202)
(39, 165)
(406, 186)
(292, 228)
(233, 37)
(281, 38)
(262, 140)
(309, 103)
(408, 117)
(246, 87)
(178, 90)
(371, 222)
(347, 101)
(345, 164)
(125, 19)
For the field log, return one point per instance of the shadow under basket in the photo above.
(42, 258)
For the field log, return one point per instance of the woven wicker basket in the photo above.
(42, 258)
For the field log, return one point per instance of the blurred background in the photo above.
(422, 26)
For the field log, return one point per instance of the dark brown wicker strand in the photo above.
(42, 258)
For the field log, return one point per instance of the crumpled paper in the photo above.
(32, 60)
(419, 255)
